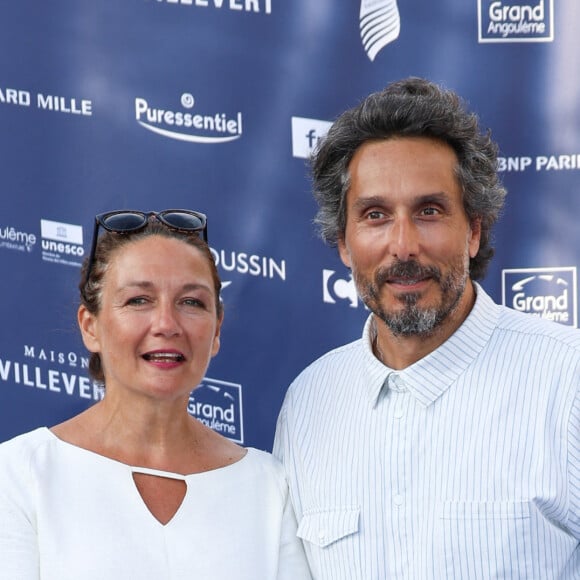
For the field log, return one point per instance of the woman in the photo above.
(134, 487)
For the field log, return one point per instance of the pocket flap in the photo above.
(324, 527)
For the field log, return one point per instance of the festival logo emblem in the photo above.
(520, 21)
(380, 24)
(218, 404)
(14, 239)
(545, 292)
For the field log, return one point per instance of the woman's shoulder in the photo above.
(18, 455)
(265, 463)
(259, 471)
(25, 444)
(264, 458)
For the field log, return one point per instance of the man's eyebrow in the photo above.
(435, 197)
(368, 201)
(382, 200)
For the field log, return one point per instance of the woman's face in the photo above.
(157, 328)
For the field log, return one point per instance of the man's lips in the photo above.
(407, 281)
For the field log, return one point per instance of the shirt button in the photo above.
(398, 500)
(398, 413)
(322, 536)
(396, 382)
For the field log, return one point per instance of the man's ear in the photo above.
(344, 253)
(475, 237)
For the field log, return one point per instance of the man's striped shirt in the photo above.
(464, 465)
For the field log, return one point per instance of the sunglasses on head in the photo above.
(129, 221)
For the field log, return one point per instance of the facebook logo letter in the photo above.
(306, 134)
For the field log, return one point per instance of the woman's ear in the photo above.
(216, 339)
(88, 326)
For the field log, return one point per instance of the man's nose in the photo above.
(404, 239)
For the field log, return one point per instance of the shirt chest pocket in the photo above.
(490, 537)
(322, 528)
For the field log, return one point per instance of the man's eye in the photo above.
(195, 302)
(375, 215)
(430, 211)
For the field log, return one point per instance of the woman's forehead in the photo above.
(160, 253)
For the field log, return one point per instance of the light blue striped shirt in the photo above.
(464, 465)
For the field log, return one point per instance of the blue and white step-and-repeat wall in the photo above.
(215, 105)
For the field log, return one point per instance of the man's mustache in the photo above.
(408, 269)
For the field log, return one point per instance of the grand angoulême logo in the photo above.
(508, 21)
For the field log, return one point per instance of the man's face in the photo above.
(408, 239)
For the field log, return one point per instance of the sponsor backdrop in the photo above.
(215, 105)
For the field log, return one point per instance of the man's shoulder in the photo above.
(335, 359)
(328, 371)
(542, 330)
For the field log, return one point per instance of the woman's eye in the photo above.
(137, 301)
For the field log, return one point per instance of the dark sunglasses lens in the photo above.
(184, 221)
(124, 222)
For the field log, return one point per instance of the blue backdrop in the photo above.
(214, 105)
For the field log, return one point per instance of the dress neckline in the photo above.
(142, 469)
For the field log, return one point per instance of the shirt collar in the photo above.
(430, 377)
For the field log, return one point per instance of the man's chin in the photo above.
(411, 321)
(400, 300)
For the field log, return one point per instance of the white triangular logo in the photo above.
(380, 24)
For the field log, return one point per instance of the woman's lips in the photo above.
(164, 356)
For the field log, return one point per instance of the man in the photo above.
(445, 443)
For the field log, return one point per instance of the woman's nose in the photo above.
(165, 320)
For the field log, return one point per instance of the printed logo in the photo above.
(62, 243)
(252, 6)
(13, 239)
(545, 292)
(45, 102)
(247, 264)
(539, 163)
(50, 355)
(335, 289)
(218, 404)
(520, 21)
(185, 125)
(51, 370)
(379, 23)
(306, 135)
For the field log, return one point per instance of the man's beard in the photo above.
(414, 320)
